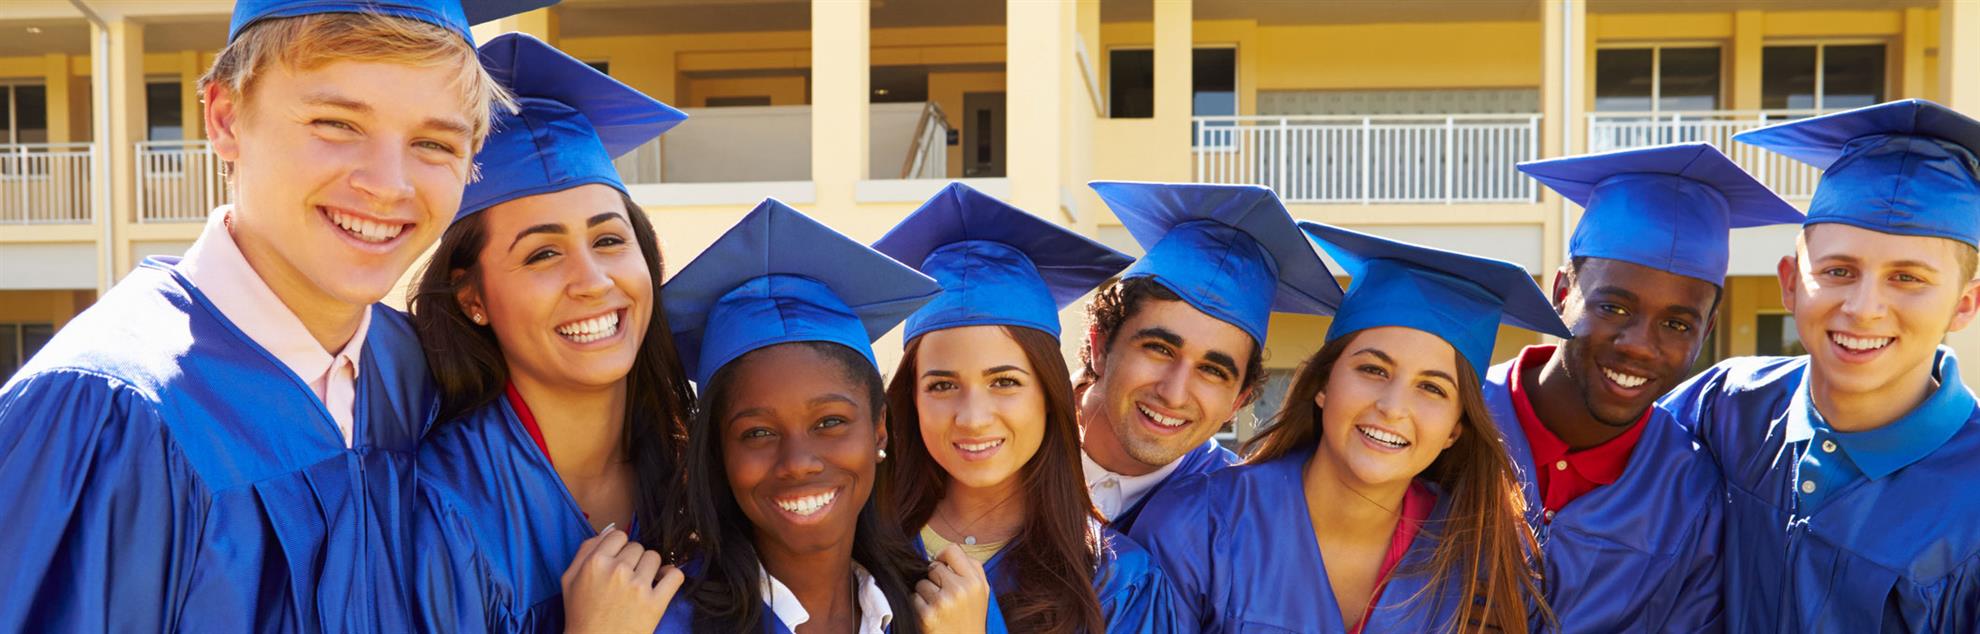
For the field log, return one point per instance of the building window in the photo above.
(1131, 82)
(24, 112)
(603, 68)
(1774, 336)
(164, 115)
(18, 343)
(1657, 78)
(1821, 76)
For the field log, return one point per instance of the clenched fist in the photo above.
(956, 595)
(616, 586)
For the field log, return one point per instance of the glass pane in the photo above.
(1214, 75)
(31, 117)
(10, 351)
(1775, 336)
(6, 110)
(1852, 76)
(162, 112)
(1690, 79)
(1131, 84)
(1787, 77)
(1622, 79)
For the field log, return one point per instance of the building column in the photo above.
(1748, 45)
(841, 76)
(1959, 77)
(1175, 82)
(119, 100)
(1038, 40)
(56, 77)
(1565, 57)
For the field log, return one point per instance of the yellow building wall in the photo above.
(43, 307)
(1399, 56)
(782, 91)
(947, 91)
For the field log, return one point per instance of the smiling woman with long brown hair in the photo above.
(1412, 520)
(988, 472)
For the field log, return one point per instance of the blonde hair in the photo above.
(311, 41)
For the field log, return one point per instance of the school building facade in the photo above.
(1402, 118)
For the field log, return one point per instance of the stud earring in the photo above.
(883, 454)
(480, 319)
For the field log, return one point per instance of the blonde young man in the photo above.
(223, 442)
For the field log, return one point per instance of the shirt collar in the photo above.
(214, 265)
(1601, 464)
(1882, 451)
(875, 613)
(1132, 487)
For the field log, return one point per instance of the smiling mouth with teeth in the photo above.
(1383, 438)
(980, 446)
(1626, 380)
(365, 230)
(808, 505)
(1860, 344)
(1165, 421)
(593, 329)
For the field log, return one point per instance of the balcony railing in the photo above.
(178, 181)
(1791, 179)
(1462, 158)
(45, 183)
(773, 143)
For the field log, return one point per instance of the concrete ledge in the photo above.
(920, 189)
(710, 194)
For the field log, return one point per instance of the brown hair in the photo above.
(311, 41)
(1483, 542)
(1119, 301)
(1056, 551)
(466, 362)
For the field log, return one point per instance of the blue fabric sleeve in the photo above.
(104, 517)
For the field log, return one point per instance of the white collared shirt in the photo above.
(1114, 493)
(874, 611)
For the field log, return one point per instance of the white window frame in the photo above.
(1821, 52)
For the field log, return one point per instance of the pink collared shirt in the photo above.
(216, 267)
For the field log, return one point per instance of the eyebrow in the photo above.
(1384, 356)
(557, 229)
(950, 374)
(448, 125)
(1850, 259)
(814, 402)
(1214, 357)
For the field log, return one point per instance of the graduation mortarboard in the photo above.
(454, 15)
(1670, 207)
(1231, 251)
(1904, 167)
(996, 263)
(1460, 298)
(570, 122)
(780, 277)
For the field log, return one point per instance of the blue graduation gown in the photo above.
(1134, 595)
(1639, 555)
(1206, 458)
(1238, 548)
(165, 473)
(679, 617)
(496, 527)
(1898, 553)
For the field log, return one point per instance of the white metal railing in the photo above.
(178, 181)
(1624, 130)
(45, 183)
(1459, 158)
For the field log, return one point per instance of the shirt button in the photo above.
(1560, 466)
(1108, 484)
(1549, 515)
(1828, 446)
(1807, 486)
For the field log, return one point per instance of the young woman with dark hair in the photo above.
(776, 319)
(1413, 520)
(562, 397)
(987, 472)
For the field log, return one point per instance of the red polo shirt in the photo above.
(1564, 475)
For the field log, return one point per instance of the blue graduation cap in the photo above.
(996, 263)
(1670, 207)
(779, 277)
(570, 123)
(1460, 298)
(1904, 167)
(1231, 251)
(455, 15)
